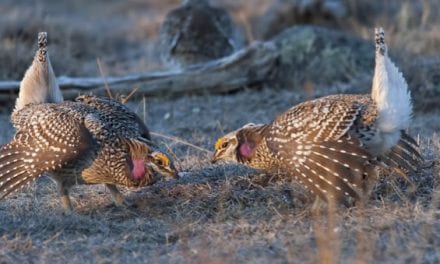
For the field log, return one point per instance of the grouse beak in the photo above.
(175, 175)
(215, 158)
(172, 174)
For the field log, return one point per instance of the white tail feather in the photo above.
(39, 83)
(390, 91)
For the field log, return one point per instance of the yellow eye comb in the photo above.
(163, 158)
(219, 143)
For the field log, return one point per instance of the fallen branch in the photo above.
(243, 68)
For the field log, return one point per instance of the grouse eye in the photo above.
(159, 162)
(225, 144)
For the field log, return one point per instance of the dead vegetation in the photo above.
(218, 214)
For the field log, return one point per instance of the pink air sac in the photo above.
(138, 171)
(246, 150)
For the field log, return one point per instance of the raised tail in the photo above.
(389, 91)
(39, 84)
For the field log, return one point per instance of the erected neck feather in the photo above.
(138, 149)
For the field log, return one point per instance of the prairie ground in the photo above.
(221, 213)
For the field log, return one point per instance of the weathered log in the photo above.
(245, 67)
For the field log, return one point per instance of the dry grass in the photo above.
(220, 214)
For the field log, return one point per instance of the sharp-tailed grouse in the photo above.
(197, 32)
(332, 144)
(88, 141)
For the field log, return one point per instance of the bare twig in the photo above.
(124, 98)
(181, 141)
(101, 71)
(144, 109)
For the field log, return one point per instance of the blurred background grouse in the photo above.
(197, 32)
(89, 141)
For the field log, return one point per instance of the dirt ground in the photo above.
(216, 214)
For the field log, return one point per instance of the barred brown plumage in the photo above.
(89, 141)
(197, 32)
(332, 145)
